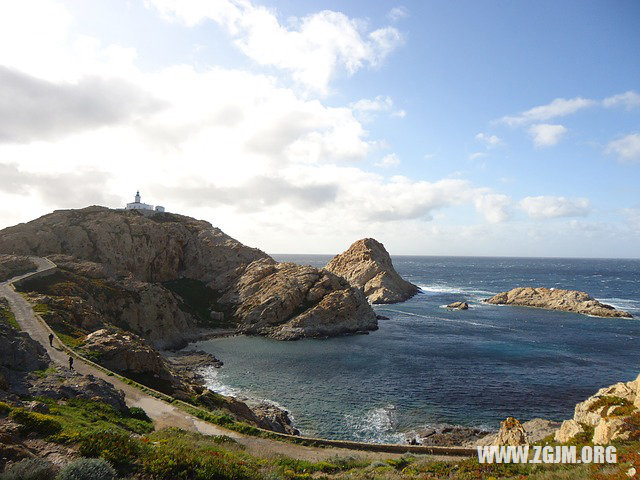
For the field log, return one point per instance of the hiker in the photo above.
(70, 362)
(51, 339)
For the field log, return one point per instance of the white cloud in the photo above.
(493, 206)
(399, 113)
(559, 107)
(397, 13)
(626, 148)
(546, 135)
(477, 155)
(488, 140)
(628, 100)
(378, 104)
(545, 207)
(311, 48)
(390, 160)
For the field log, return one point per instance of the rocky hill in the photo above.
(130, 270)
(556, 299)
(12, 266)
(367, 265)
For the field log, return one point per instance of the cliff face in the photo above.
(125, 251)
(366, 264)
(556, 299)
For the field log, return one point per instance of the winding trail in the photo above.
(167, 415)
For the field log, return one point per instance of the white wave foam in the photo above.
(376, 425)
(621, 303)
(449, 320)
(437, 288)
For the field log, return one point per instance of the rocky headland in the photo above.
(557, 299)
(140, 272)
(367, 265)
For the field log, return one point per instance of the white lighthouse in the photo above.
(145, 207)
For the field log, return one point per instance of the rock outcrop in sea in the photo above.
(458, 306)
(557, 299)
(137, 272)
(367, 265)
(613, 413)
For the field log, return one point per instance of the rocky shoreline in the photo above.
(557, 299)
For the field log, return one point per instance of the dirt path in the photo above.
(164, 414)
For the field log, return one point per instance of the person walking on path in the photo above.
(70, 362)
(51, 339)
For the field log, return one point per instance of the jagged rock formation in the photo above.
(611, 414)
(12, 265)
(130, 255)
(367, 265)
(556, 299)
(458, 306)
(129, 355)
(511, 433)
(535, 430)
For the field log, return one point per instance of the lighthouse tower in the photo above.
(138, 205)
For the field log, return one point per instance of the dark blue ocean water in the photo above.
(427, 365)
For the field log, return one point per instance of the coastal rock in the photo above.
(458, 306)
(605, 411)
(19, 352)
(609, 429)
(511, 433)
(568, 430)
(539, 428)
(556, 299)
(367, 265)
(128, 354)
(258, 294)
(447, 436)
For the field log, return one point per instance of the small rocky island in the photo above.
(557, 299)
(367, 265)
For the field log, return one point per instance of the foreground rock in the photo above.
(130, 270)
(557, 299)
(458, 306)
(511, 433)
(613, 413)
(535, 430)
(367, 265)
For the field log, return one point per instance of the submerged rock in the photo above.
(556, 299)
(367, 265)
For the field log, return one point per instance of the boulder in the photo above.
(125, 353)
(609, 429)
(19, 352)
(511, 433)
(568, 430)
(367, 265)
(539, 428)
(458, 306)
(556, 299)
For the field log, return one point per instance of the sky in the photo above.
(439, 128)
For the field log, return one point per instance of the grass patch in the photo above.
(32, 422)
(46, 372)
(624, 406)
(6, 315)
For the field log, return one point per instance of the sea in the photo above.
(427, 365)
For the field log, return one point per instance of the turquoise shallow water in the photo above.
(427, 365)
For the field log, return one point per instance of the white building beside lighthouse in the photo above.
(138, 205)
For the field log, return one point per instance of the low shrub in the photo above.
(35, 422)
(118, 448)
(139, 414)
(30, 469)
(87, 469)
(4, 408)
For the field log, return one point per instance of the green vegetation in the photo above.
(624, 406)
(6, 315)
(30, 469)
(32, 422)
(199, 300)
(46, 372)
(87, 469)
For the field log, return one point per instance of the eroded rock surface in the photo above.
(556, 299)
(135, 253)
(12, 266)
(511, 433)
(367, 265)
